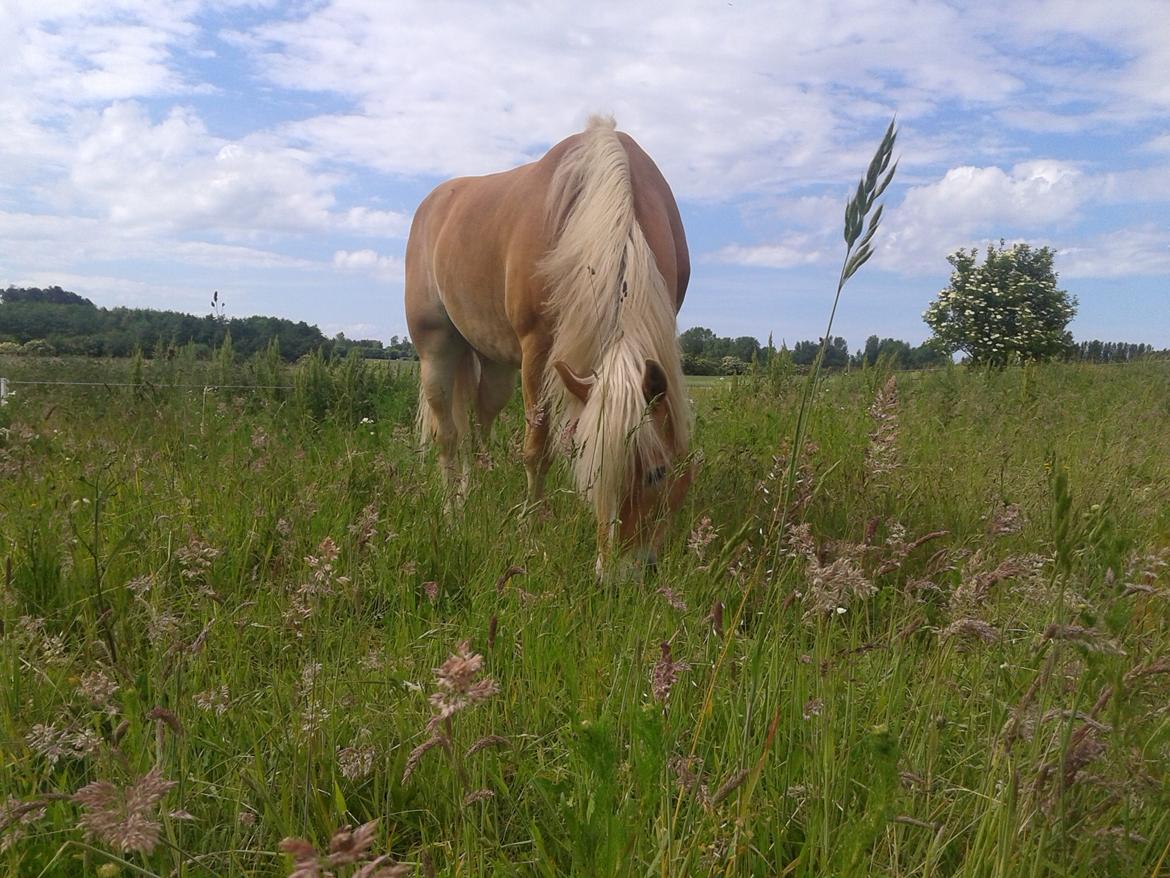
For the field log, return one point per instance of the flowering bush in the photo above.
(1006, 310)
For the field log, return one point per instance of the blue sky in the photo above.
(154, 152)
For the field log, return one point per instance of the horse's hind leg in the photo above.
(444, 389)
(497, 382)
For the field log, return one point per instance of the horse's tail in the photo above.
(463, 393)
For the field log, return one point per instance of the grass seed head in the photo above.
(125, 818)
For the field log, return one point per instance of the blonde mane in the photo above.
(611, 310)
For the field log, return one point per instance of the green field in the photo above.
(947, 654)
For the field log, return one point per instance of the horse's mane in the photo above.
(612, 310)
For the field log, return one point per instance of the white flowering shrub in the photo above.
(1006, 310)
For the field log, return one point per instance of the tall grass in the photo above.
(251, 595)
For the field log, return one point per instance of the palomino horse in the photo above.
(570, 269)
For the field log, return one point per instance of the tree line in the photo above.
(705, 353)
(57, 321)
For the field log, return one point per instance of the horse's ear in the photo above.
(653, 381)
(574, 383)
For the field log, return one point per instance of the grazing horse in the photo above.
(570, 269)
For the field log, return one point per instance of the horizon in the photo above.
(777, 344)
(277, 154)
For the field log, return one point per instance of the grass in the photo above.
(250, 591)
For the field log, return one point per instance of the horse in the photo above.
(570, 269)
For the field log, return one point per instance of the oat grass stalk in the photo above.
(862, 216)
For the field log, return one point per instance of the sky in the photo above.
(152, 152)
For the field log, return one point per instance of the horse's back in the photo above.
(476, 244)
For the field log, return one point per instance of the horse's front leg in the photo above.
(536, 420)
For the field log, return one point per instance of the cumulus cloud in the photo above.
(1144, 250)
(972, 204)
(370, 262)
(721, 95)
(797, 251)
(174, 175)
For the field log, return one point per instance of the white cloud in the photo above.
(970, 204)
(174, 175)
(1144, 250)
(383, 223)
(724, 97)
(40, 238)
(113, 290)
(371, 262)
(1028, 194)
(796, 251)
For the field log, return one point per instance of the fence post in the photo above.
(3, 391)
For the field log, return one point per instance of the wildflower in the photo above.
(321, 566)
(350, 847)
(356, 761)
(833, 586)
(313, 716)
(665, 674)
(702, 536)
(309, 674)
(195, 558)
(813, 707)
(1006, 520)
(125, 818)
(672, 598)
(458, 686)
(689, 773)
(214, 700)
(98, 688)
(431, 590)
(15, 815)
(366, 527)
(162, 628)
(55, 744)
(975, 629)
(880, 454)
(140, 585)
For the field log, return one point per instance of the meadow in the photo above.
(235, 617)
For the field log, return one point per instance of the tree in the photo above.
(1006, 310)
(696, 340)
(804, 353)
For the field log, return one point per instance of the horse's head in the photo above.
(638, 473)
